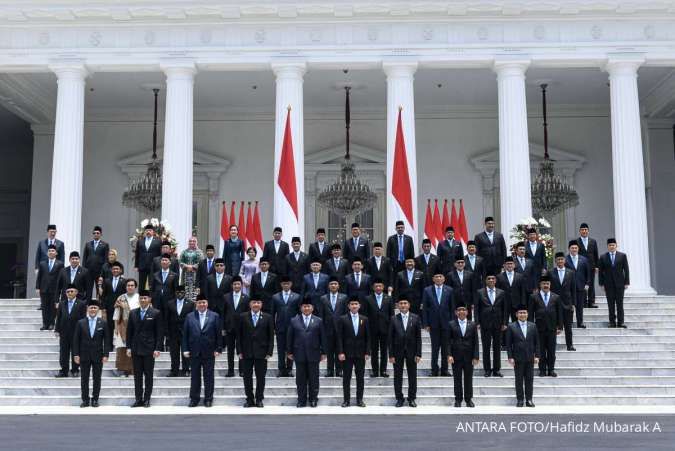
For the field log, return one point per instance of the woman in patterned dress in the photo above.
(248, 268)
(189, 262)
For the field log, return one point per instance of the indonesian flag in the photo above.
(429, 225)
(438, 223)
(400, 205)
(445, 221)
(286, 207)
(241, 225)
(462, 225)
(232, 217)
(257, 232)
(250, 234)
(454, 221)
(224, 228)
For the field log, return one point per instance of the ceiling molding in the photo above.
(660, 99)
(27, 99)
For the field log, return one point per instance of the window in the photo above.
(339, 227)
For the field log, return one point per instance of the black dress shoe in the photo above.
(229, 374)
(519, 404)
(497, 374)
(470, 403)
(208, 403)
(612, 325)
(241, 374)
(488, 374)
(75, 373)
(249, 404)
(301, 404)
(345, 404)
(373, 374)
(581, 326)
(412, 403)
(313, 403)
(433, 373)
(44, 328)
(399, 403)
(259, 404)
(146, 403)
(384, 374)
(529, 404)
(173, 374)
(330, 374)
(137, 404)
(195, 403)
(542, 374)
(458, 403)
(571, 348)
(446, 374)
(592, 306)
(360, 403)
(85, 403)
(623, 326)
(553, 374)
(61, 374)
(94, 402)
(338, 374)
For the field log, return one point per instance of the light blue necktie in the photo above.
(378, 297)
(142, 314)
(438, 294)
(546, 299)
(70, 306)
(355, 324)
(462, 326)
(401, 257)
(491, 295)
(333, 301)
(92, 327)
(612, 256)
(255, 319)
(164, 277)
(51, 265)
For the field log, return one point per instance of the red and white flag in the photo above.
(462, 225)
(250, 234)
(241, 225)
(446, 218)
(224, 228)
(429, 225)
(257, 231)
(402, 183)
(286, 196)
(233, 217)
(454, 222)
(438, 223)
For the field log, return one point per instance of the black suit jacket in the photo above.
(93, 259)
(340, 271)
(277, 259)
(463, 349)
(384, 272)
(81, 281)
(350, 253)
(174, 320)
(448, 253)
(65, 323)
(47, 281)
(379, 317)
(284, 312)
(296, 269)
(307, 344)
(173, 266)
(582, 273)
(520, 348)
(314, 293)
(408, 342)
(437, 314)
(516, 294)
(362, 290)
(316, 254)
(203, 273)
(145, 336)
(491, 316)
(529, 273)
(478, 269)
(412, 292)
(591, 253)
(255, 342)
(163, 291)
(41, 251)
(330, 316)
(88, 348)
(110, 295)
(216, 294)
(567, 290)
(539, 258)
(547, 318)
(614, 277)
(203, 342)
(392, 248)
(143, 258)
(462, 291)
(232, 313)
(493, 253)
(429, 269)
(264, 293)
(353, 346)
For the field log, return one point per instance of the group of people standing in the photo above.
(343, 303)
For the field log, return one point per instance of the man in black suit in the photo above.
(216, 287)
(75, 274)
(320, 249)
(614, 277)
(563, 283)
(91, 350)
(405, 348)
(109, 290)
(46, 286)
(380, 267)
(491, 246)
(202, 342)
(448, 250)
(410, 285)
(297, 264)
(437, 313)
(176, 311)
(380, 309)
(314, 285)
(353, 347)
(357, 245)
(492, 318)
(333, 306)
(428, 263)
(94, 254)
(522, 348)
(462, 346)
(147, 248)
(546, 310)
(338, 266)
(275, 252)
(144, 342)
(255, 345)
(358, 283)
(526, 267)
(69, 312)
(157, 261)
(536, 251)
(263, 285)
(206, 267)
(285, 306)
(474, 263)
(463, 285)
(236, 303)
(515, 290)
(588, 248)
(582, 277)
(43, 247)
(306, 345)
(400, 247)
(163, 284)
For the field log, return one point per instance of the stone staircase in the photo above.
(634, 366)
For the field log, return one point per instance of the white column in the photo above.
(630, 207)
(289, 93)
(177, 170)
(401, 94)
(66, 195)
(515, 194)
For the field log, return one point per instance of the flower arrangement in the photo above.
(162, 230)
(519, 233)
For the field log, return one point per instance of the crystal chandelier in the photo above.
(347, 196)
(145, 193)
(550, 194)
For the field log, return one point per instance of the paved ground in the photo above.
(343, 432)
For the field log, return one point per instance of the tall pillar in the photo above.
(177, 170)
(401, 97)
(67, 169)
(628, 178)
(289, 189)
(515, 193)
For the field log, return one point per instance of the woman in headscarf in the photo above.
(189, 263)
(123, 306)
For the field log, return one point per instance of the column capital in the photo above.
(69, 69)
(623, 65)
(510, 66)
(289, 70)
(399, 68)
(178, 68)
